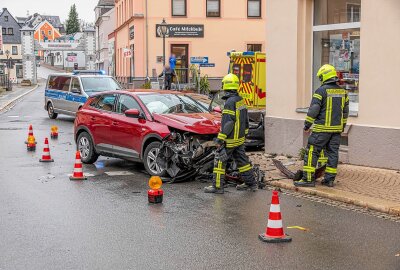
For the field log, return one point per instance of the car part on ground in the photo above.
(319, 172)
(185, 156)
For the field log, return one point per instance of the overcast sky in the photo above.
(19, 8)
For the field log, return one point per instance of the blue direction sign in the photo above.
(207, 65)
(199, 60)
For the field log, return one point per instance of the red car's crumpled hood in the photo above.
(199, 123)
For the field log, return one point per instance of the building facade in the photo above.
(104, 25)
(206, 28)
(10, 53)
(360, 38)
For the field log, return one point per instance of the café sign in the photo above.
(182, 30)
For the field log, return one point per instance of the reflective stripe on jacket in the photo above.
(329, 109)
(235, 122)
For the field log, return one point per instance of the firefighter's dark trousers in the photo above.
(330, 142)
(243, 164)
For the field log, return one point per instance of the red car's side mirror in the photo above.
(217, 109)
(132, 113)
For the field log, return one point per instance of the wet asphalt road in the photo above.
(50, 222)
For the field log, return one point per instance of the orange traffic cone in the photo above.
(54, 132)
(30, 142)
(274, 232)
(78, 170)
(46, 152)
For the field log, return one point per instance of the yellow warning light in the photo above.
(54, 129)
(155, 182)
(31, 140)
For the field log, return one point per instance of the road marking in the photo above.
(13, 116)
(119, 173)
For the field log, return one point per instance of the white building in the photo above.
(104, 25)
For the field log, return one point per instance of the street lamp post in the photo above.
(164, 31)
(8, 56)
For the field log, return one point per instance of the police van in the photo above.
(65, 93)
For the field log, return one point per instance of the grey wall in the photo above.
(374, 146)
(367, 146)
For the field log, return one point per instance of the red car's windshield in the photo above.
(170, 103)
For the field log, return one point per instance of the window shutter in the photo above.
(254, 8)
(178, 8)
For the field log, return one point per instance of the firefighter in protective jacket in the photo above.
(230, 140)
(327, 114)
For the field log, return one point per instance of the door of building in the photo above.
(181, 52)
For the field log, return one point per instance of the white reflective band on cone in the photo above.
(275, 208)
(78, 161)
(78, 170)
(274, 224)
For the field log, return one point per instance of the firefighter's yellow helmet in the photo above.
(230, 82)
(326, 72)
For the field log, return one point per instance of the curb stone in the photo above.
(18, 97)
(345, 197)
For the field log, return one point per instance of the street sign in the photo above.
(199, 60)
(207, 65)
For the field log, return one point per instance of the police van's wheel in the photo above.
(86, 147)
(50, 111)
(149, 159)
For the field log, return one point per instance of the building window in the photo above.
(337, 42)
(254, 8)
(14, 50)
(254, 47)
(213, 8)
(178, 7)
(4, 31)
(10, 31)
(49, 32)
(6, 18)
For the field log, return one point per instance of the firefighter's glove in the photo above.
(220, 143)
(222, 155)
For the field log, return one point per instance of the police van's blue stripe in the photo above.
(65, 95)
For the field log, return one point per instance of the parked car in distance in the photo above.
(65, 93)
(131, 124)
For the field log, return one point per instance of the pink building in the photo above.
(197, 28)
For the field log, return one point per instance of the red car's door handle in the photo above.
(92, 118)
(115, 123)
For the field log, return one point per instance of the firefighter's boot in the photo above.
(328, 183)
(298, 175)
(213, 189)
(304, 183)
(245, 186)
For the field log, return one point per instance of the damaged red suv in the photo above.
(138, 125)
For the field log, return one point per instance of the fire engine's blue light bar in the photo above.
(248, 53)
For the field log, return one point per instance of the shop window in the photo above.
(338, 44)
(14, 50)
(254, 8)
(178, 7)
(213, 8)
(254, 47)
(10, 31)
(19, 71)
(334, 12)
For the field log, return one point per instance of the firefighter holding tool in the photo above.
(328, 115)
(230, 140)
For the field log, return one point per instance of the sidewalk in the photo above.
(376, 189)
(7, 98)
